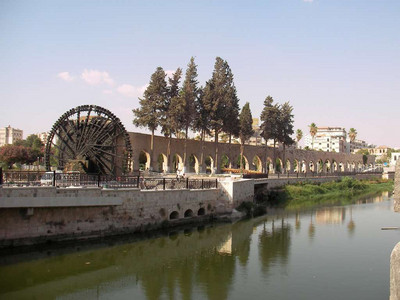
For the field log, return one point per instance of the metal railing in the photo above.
(29, 178)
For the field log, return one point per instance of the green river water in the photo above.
(325, 253)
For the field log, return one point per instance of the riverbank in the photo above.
(304, 195)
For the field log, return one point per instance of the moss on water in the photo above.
(340, 192)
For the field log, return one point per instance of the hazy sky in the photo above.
(336, 61)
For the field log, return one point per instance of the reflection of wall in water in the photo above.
(335, 215)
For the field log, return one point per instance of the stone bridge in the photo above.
(201, 157)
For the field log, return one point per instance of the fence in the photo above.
(29, 178)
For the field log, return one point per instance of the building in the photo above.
(380, 152)
(394, 158)
(356, 145)
(9, 135)
(43, 137)
(256, 139)
(328, 139)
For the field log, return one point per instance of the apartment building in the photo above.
(9, 135)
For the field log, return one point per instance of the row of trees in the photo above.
(210, 110)
(22, 152)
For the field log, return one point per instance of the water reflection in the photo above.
(274, 244)
(351, 226)
(185, 264)
(311, 227)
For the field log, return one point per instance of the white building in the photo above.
(395, 157)
(356, 145)
(43, 136)
(9, 135)
(329, 139)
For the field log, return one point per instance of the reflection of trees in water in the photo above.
(168, 279)
(311, 228)
(274, 245)
(351, 226)
(241, 240)
(215, 273)
(297, 224)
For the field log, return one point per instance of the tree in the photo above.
(34, 144)
(246, 129)
(189, 95)
(231, 106)
(150, 111)
(202, 121)
(11, 154)
(214, 100)
(270, 123)
(286, 128)
(352, 134)
(299, 135)
(313, 132)
(172, 111)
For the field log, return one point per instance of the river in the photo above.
(324, 253)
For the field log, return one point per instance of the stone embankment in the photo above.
(40, 214)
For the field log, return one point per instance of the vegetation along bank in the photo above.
(305, 195)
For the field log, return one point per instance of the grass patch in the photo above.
(340, 192)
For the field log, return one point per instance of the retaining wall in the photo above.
(29, 215)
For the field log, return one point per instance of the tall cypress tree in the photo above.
(189, 95)
(202, 121)
(214, 101)
(172, 111)
(246, 129)
(151, 105)
(270, 124)
(231, 118)
(286, 128)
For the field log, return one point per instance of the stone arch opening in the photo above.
(257, 163)
(278, 165)
(201, 211)
(328, 166)
(245, 162)
(311, 166)
(225, 163)
(144, 160)
(269, 165)
(334, 166)
(193, 164)
(174, 215)
(188, 213)
(296, 166)
(320, 166)
(162, 163)
(288, 166)
(341, 167)
(177, 163)
(209, 162)
(303, 166)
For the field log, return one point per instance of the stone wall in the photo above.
(235, 192)
(57, 214)
(252, 153)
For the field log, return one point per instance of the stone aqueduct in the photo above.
(201, 155)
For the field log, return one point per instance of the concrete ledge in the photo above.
(18, 202)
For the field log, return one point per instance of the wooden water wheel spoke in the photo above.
(86, 137)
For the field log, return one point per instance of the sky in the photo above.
(336, 61)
